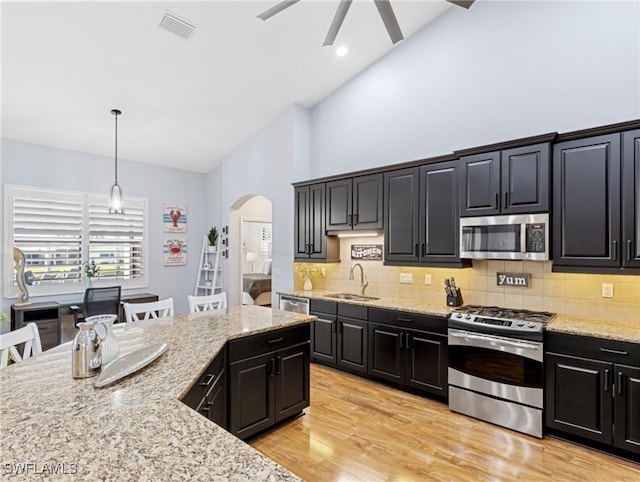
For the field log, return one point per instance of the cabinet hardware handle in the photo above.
(278, 363)
(619, 383)
(408, 340)
(424, 249)
(351, 220)
(209, 379)
(615, 352)
(497, 200)
(416, 250)
(629, 250)
(206, 408)
(270, 368)
(606, 380)
(506, 199)
(275, 340)
(406, 320)
(615, 250)
(401, 339)
(333, 326)
(355, 219)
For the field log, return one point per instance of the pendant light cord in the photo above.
(116, 113)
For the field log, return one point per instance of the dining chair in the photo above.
(98, 301)
(29, 335)
(152, 310)
(217, 302)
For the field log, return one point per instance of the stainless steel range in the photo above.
(496, 365)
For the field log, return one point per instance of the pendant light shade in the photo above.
(116, 205)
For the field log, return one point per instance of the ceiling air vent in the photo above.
(174, 25)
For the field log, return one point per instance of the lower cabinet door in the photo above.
(323, 339)
(426, 361)
(578, 397)
(251, 395)
(292, 381)
(352, 345)
(627, 408)
(386, 358)
(217, 401)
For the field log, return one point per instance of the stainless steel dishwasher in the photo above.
(295, 304)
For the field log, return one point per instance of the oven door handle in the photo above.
(493, 342)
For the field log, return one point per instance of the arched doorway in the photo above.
(250, 219)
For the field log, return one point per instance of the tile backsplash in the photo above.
(567, 293)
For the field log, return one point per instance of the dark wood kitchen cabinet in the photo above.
(355, 203)
(208, 396)
(596, 204)
(339, 335)
(593, 390)
(511, 181)
(268, 379)
(409, 349)
(631, 199)
(422, 216)
(311, 240)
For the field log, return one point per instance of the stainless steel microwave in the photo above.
(521, 236)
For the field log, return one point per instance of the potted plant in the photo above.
(90, 270)
(213, 238)
(306, 270)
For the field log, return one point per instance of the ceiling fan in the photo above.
(383, 6)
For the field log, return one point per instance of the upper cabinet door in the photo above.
(439, 216)
(631, 199)
(586, 202)
(367, 202)
(401, 193)
(301, 222)
(525, 179)
(339, 207)
(317, 234)
(480, 184)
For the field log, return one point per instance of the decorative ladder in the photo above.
(209, 279)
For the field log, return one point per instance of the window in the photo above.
(265, 241)
(58, 230)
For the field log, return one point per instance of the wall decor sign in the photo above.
(520, 280)
(174, 218)
(175, 252)
(366, 252)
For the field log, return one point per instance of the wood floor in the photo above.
(357, 429)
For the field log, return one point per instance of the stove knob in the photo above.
(460, 315)
(468, 317)
(531, 325)
(520, 323)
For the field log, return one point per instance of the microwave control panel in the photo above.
(535, 241)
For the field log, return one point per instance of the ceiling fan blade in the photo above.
(338, 18)
(277, 8)
(389, 20)
(462, 3)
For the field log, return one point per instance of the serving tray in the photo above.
(129, 363)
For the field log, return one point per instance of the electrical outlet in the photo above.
(427, 279)
(322, 272)
(406, 278)
(607, 290)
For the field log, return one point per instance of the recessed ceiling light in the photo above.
(342, 51)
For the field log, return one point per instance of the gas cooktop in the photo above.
(505, 318)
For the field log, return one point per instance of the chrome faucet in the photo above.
(364, 282)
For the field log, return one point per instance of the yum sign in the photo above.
(520, 280)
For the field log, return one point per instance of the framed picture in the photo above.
(174, 218)
(175, 252)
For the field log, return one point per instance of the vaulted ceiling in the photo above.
(185, 102)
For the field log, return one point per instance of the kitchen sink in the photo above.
(352, 296)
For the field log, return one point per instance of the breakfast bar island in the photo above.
(138, 428)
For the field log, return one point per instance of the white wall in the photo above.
(498, 71)
(266, 164)
(48, 167)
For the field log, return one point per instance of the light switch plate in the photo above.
(427, 279)
(406, 278)
(607, 290)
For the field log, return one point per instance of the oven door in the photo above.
(498, 366)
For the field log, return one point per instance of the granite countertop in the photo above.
(402, 304)
(628, 331)
(135, 429)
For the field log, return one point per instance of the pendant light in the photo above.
(116, 206)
